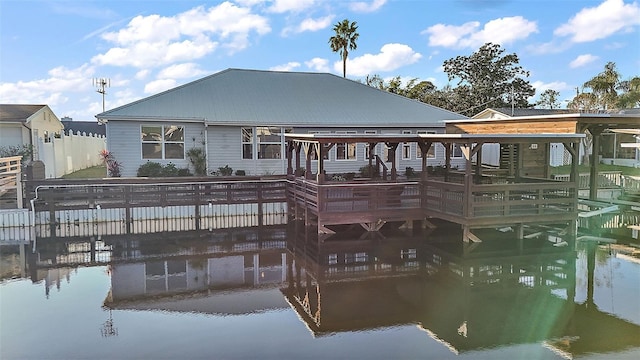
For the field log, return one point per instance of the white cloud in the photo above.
(315, 24)
(282, 6)
(391, 57)
(582, 60)
(318, 64)
(469, 35)
(180, 71)
(142, 74)
(364, 7)
(154, 40)
(160, 85)
(554, 85)
(286, 67)
(601, 21)
(51, 90)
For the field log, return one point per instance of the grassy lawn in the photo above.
(565, 169)
(96, 172)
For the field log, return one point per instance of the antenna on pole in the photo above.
(102, 84)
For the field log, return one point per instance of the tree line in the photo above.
(490, 78)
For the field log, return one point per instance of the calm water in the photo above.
(278, 295)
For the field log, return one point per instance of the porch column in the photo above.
(308, 152)
(289, 150)
(321, 151)
(372, 147)
(447, 160)
(298, 149)
(392, 154)
(468, 176)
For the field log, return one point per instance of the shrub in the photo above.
(240, 173)
(154, 169)
(223, 171)
(150, 169)
(113, 167)
(409, 172)
(198, 160)
(26, 151)
(368, 171)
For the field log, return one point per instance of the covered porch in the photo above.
(517, 192)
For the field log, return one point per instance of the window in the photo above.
(457, 151)
(162, 142)
(269, 142)
(366, 146)
(312, 149)
(345, 151)
(432, 149)
(406, 147)
(247, 143)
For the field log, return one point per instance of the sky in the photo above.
(52, 51)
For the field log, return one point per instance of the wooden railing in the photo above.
(140, 192)
(500, 201)
(606, 179)
(354, 196)
(10, 177)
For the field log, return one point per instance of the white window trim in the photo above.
(405, 145)
(163, 142)
(335, 152)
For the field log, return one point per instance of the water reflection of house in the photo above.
(466, 299)
(228, 278)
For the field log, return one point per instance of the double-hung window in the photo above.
(345, 151)
(162, 142)
(406, 147)
(269, 142)
(247, 143)
(432, 149)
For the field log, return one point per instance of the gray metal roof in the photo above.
(255, 97)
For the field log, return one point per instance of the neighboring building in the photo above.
(239, 117)
(86, 127)
(618, 147)
(22, 124)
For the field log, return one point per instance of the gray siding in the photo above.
(225, 149)
(123, 141)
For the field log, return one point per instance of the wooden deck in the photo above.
(520, 193)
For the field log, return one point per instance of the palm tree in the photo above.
(344, 40)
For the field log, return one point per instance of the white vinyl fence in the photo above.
(70, 152)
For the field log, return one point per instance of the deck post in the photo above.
(447, 160)
(392, 154)
(197, 207)
(595, 152)
(298, 149)
(290, 147)
(320, 150)
(372, 147)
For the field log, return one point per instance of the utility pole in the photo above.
(102, 84)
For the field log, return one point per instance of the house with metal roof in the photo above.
(24, 124)
(238, 117)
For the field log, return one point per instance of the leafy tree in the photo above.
(488, 78)
(630, 96)
(584, 102)
(605, 85)
(549, 99)
(344, 40)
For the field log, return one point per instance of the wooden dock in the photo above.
(519, 194)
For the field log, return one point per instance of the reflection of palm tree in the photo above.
(107, 328)
(344, 40)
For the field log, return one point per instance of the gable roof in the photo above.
(256, 97)
(18, 112)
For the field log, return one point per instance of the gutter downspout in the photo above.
(206, 147)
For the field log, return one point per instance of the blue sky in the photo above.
(51, 50)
